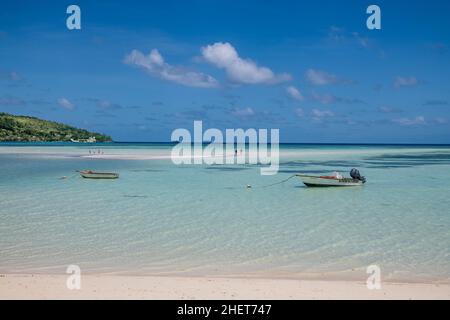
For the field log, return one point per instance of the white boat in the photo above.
(328, 181)
(88, 140)
(88, 174)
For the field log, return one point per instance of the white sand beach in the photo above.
(33, 286)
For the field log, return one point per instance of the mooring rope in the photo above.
(273, 184)
(264, 186)
(67, 178)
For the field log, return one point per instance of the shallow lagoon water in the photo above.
(161, 219)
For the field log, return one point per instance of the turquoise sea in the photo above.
(199, 220)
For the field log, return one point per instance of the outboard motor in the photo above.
(354, 173)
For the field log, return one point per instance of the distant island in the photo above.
(23, 129)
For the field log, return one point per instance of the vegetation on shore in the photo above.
(24, 128)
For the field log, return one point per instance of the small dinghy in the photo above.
(88, 174)
(335, 180)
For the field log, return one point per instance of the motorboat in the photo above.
(335, 180)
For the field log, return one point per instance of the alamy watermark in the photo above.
(374, 280)
(374, 20)
(239, 146)
(73, 281)
(73, 22)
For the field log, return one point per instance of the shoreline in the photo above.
(165, 153)
(99, 286)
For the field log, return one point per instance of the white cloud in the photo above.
(318, 114)
(243, 113)
(154, 64)
(410, 122)
(294, 93)
(319, 77)
(245, 71)
(66, 104)
(405, 82)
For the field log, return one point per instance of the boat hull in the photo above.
(99, 175)
(312, 181)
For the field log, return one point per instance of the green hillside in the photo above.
(23, 128)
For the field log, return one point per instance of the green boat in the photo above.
(88, 174)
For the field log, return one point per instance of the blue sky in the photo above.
(137, 70)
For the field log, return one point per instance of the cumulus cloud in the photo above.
(239, 70)
(294, 93)
(405, 82)
(410, 121)
(320, 78)
(243, 113)
(65, 103)
(154, 64)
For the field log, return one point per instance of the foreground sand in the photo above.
(148, 287)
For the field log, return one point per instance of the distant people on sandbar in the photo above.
(94, 152)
